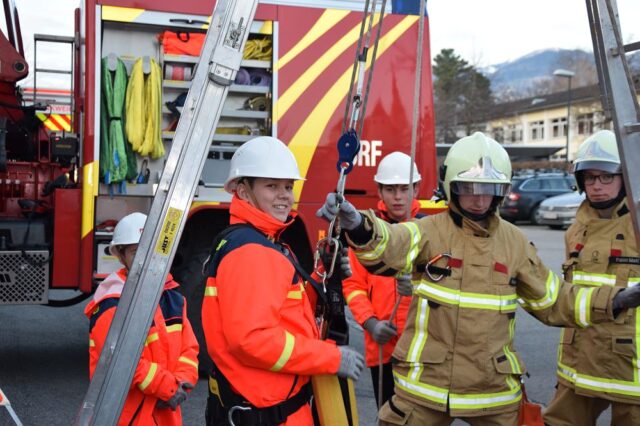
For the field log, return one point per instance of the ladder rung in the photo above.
(632, 47)
(632, 128)
(53, 38)
(52, 71)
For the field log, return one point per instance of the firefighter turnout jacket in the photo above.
(258, 322)
(371, 295)
(602, 360)
(457, 349)
(169, 356)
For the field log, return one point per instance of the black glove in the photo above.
(627, 298)
(381, 331)
(178, 398)
(350, 218)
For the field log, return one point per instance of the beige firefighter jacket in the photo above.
(602, 360)
(457, 347)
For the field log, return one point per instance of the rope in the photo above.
(144, 119)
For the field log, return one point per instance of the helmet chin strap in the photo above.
(603, 205)
(477, 217)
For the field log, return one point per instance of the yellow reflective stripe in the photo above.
(442, 294)
(210, 291)
(294, 294)
(588, 278)
(583, 307)
(550, 297)
(380, 247)
(485, 400)
(421, 390)
(92, 343)
(414, 233)
(150, 374)
(515, 365)
(289, 342)
(152, 338)
(419, 340)
(636, 363)
(633, 282)
(186, 360)
(355, 294)
(173, 328)
(602, 384)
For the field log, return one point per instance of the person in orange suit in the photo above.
(168, 366)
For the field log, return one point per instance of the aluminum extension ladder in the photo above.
(216, 70)
(618, 95)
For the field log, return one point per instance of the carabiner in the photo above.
(231, 411)
(434, 260)
(325, 246)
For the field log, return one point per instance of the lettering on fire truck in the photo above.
(370, 151)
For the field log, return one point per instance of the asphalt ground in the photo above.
(44, 357)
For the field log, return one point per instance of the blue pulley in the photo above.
(348, 148)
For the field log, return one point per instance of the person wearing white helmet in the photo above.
(257, 316)
(598, 366)
(168, 366)
(371, 298)
(470, 269)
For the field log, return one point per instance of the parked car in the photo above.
(529, 190)
(560, 211)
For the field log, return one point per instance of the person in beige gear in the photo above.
(598, 366)
(456, 357)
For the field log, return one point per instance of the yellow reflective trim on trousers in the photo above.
(380, 247)
(188, 361)
(174, 327)
(152, 338)
(419, 340)
(589, 278)
(211, 291)
(421, 390)
(92, 343)
(484, 400)
(355, 294)
(583, 307)
(505, 303)
(550, 297)
(149, 377)
(289, 343)
(414, 244)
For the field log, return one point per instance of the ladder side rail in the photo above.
(625, 107)
(599, 55)
(225, 40)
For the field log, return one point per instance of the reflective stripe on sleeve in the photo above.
(289, 342)
(550, 297)
(355, 294)
(188, 361)
(211, 291)
(152, 338)
(583, 307)
(380, 247)
(92, 343)
(150, 374)
(173, 328)
(504, 303)
(414, 244)
(294, 294)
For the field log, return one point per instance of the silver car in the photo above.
(560, 211)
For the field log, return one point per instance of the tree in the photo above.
(462, 95)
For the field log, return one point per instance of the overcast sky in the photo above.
(484, 32)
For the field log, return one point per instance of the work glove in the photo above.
(381, 331)
(350, 218)
(178, 398)
(351, 363)
(627, 298)
(403, 285)
(345, 265)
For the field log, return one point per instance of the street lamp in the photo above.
(568, 75)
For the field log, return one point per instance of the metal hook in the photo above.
(434, 260)
(232, 410)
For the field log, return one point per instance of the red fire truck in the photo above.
(56, 211)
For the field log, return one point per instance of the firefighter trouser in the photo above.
(568, 408)
(399, 411)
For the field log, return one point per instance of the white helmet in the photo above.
(128, 231)
(394, 170)
(265, 157)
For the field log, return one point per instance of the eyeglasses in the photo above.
(605, 178)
